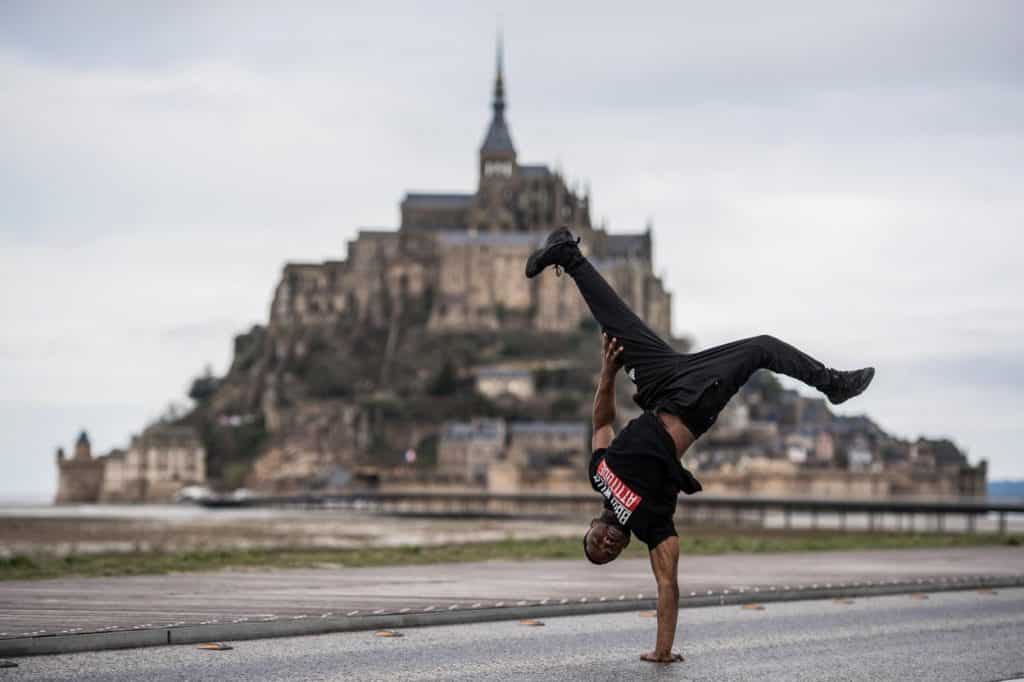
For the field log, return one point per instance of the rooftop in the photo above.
(430, 200)
(534, 171)
(567, 428)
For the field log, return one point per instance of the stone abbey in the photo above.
(462, 255)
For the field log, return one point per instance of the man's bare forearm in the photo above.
(604, 399)
(668, 612)
(665, 563)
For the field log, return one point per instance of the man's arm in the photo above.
(665, 564)
(604, 399)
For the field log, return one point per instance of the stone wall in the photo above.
(835, 484)
(471, 281)
(481, 280)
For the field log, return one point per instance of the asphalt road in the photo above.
(946, 636)
(48, 607)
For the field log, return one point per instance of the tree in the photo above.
(446, 382)
(204, 386)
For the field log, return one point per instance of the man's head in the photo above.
(605, 539)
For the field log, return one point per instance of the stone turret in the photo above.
(83, 448)
(81, 475)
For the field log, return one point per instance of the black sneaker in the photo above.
(560, 250)
(846, 385)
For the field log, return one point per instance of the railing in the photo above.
(786, 513)
(904, 514)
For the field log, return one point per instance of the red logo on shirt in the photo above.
(619, 490)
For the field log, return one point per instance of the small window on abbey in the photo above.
(498, 168)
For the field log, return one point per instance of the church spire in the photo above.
(498, 141)
(499, 80)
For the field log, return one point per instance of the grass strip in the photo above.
(22, 567)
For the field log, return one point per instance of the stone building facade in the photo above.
(537, 446)
(158, 463)
(468, 449)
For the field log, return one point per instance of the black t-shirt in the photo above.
(640, 477)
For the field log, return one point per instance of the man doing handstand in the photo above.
(638, 472)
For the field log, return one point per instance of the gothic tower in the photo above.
(498, 154)
(494, 209)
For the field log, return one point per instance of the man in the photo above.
(639, 472)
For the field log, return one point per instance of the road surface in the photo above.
(49, 607)
(953, 636)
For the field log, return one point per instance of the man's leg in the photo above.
(768, 352)
(735, 362)
(642, 348)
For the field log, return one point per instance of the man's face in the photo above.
(605, 541)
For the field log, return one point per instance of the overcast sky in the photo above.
(846, 176)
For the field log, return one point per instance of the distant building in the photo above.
(859, 455)
(467, 449)
(827, 455)
(824, 447)
(499, 382)
(799, 447)
(481, 451)
(159, 463)
(538, 445)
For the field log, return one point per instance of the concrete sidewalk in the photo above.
(72, 614)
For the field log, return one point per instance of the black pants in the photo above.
(694, 386)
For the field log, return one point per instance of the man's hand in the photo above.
(611, 360)
(655, 657)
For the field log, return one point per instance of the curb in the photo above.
(290, 626)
